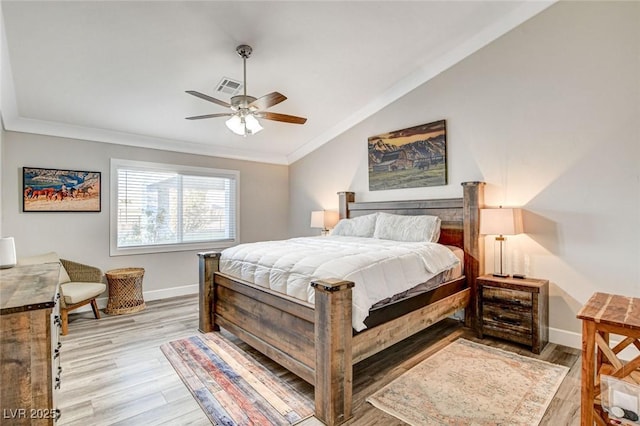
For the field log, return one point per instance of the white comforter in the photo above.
(379, 268)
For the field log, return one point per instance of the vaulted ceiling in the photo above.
(117, 72)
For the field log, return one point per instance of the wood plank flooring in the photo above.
(115, 374)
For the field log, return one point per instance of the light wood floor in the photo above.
(115, 374)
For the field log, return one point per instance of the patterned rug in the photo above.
(467, 383)
(231, 387)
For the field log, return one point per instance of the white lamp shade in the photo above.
(324, 219)
(253, 125)
(235, 124)
(7, 252)
(502, 221)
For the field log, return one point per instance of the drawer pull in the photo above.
(508, 301)
(56, 351)
(57, 415)
(506, 319)
(58, 379)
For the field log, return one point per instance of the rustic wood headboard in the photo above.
(460, 225)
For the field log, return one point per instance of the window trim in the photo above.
(116, 163)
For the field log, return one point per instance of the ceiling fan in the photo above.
(246, 109)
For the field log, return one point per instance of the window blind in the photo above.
(157, 206)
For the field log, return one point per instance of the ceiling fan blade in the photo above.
(208, 98)
(283, 117)
(200, 117)
(273, 98)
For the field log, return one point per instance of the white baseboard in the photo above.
(171, 292)
(565, 338)
(574, 340)
(165, 293)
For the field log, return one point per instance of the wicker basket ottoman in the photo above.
(125, 291)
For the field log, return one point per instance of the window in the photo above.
(161, 207)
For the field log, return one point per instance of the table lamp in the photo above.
(324, 220)
(500, 222)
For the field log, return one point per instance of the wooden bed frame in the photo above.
(318, 342)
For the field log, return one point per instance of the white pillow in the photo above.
(407, 228)
(362, 226)
(51, 257)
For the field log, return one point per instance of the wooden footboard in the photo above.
(284, 329)
(317, 342)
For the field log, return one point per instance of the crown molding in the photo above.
(47, 128)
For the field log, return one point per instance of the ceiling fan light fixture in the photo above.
(236, 125)
(252, 123)
(243, 125)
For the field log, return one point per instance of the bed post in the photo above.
(473, 195)
(208, 265)
(333, 335)
(343, 204)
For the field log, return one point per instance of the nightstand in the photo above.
(515, 309)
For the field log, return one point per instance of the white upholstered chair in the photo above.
(79, 284)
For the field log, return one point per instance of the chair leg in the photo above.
(64, 316)
(94, 306)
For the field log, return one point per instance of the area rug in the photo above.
(467, 383)
(231, 387)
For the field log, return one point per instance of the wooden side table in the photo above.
(515, 309)
(605, 314)
(125, 291)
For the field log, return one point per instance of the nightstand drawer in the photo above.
(514, 320)
(506, 296)
(502, 332)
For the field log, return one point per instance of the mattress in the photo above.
(436, 281)
(379, 268)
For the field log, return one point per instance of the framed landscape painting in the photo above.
(54, 190)
(409, 158)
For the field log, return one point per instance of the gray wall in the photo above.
(84, 237)
(548, 115)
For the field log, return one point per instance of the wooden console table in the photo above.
(602, 315)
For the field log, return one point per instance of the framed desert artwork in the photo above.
(409, 158)
(54, 190)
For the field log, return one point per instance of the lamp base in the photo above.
(496, 274)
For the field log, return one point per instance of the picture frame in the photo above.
(59, 190)
(409, 158)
